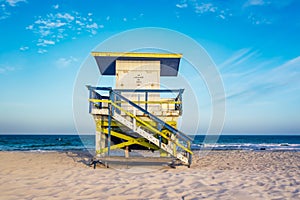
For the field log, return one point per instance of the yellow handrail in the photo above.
(141, 121)
(150, 127)
(142, 102)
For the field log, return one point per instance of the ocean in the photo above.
(87, 142)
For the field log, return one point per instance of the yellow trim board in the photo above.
(104, 123)
(137, 55)
(140, 102)
(130, 140)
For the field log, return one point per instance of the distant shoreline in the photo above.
(200, 142)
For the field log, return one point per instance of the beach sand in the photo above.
(213, 175)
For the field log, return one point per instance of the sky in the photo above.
(254, 44)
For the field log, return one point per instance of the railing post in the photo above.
(134, 119)
(146, 99)
(117, 98)
(159, 141)
(91, 103)
(189, 155)
(180, 99)
(109, 122)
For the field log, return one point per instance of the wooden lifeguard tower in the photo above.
(133, 115)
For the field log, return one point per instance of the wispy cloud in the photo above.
(248, 81)
(42, 51)
(182, 4)
(205, 7)
(24, 48)
(6, 69)
(252, 11)
(274, 3)
(255, 3)
(65, 62)
(288, 73)
(3, 12)
(14, 3)
(258, 19)
(45, 43)
(55, 6)
(58, 25)
(255, 10)
(234, 58)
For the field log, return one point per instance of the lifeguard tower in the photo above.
(137, 114)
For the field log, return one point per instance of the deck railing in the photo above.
(115, 99)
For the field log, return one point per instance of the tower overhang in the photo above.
(106, 61)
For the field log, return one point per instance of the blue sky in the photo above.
(254, 43)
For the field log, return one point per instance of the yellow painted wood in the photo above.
(99, 100)
(147, 125)
(137, 55)
(140, 141)
(136, 102)
(151, 128)
(104, 123)
(113, 147)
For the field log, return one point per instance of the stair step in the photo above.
(150, 137)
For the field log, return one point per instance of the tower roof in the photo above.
(106, 61)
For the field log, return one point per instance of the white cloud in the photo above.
(30, 27)
(48, 23)
(45, 43)
(42, 51)
(205, 7)
(254, 3)
(68, 17)
(225, 10)
(183, 5)
(55, 6)
(292, 65)
(7, 6)
(55, 27)
(236, 57)
(257, 20)
(284, 76)
(24, 48)
(14, 3)
(222, 16)
(79, 23)
(65, 62)
(48, 42)
(248, 77)
(3, 12)
(125, 19)
(91, 26)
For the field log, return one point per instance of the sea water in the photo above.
(247, 142)
(200, 142)
(46, 142)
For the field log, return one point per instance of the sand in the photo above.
(217, 175)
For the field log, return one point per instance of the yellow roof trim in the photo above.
(137, 55)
